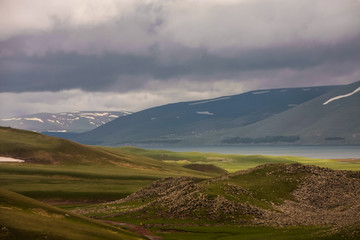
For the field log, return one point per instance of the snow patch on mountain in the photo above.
(260, 92)
(11, 119)
(58, 122)
(342, 96)
(205, 113)
(34, 119)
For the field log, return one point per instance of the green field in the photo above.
(234, 162)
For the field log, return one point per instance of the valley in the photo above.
(174, 195)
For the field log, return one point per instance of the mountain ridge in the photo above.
(76, 122)
(169, 124)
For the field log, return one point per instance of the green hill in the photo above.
(42, 149)
(63, 172)
(293, 197)
(38, 148)
(25, 218)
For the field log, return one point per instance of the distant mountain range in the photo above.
(75, 122)
(271, 116)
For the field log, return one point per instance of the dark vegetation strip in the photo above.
(96, 196)
(85, 175)
(267, 139)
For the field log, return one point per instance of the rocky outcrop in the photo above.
(321, 197)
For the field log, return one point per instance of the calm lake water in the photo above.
(332, 152)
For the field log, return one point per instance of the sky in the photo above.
(109, 55)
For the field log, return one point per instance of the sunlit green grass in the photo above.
(93, 183)
(235, 162)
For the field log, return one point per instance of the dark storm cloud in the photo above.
(124, 72)
(124, 45)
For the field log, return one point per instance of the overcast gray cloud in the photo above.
(130, 48)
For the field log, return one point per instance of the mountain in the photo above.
(169, 124)
(332, 118)
(62, 122)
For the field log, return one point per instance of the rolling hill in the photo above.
(38, 148)
(273, 195)
(58, 170)
(74, 122)
(169, 124)
(25, 218)
(42, 149)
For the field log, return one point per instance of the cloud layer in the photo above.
(121, 47)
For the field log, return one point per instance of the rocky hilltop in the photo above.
(271, 195)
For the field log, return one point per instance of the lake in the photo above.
(332, 152)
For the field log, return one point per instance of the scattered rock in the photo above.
(322, 197)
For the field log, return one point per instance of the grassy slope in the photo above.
(80, 183)
(234, 162)
(62, 170)
(25, 218)
(41, 149)
(38, 148)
